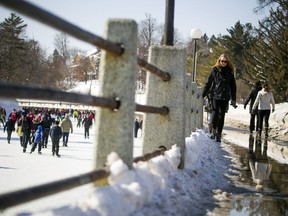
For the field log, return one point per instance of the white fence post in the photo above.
(114, 129)
(166, 130)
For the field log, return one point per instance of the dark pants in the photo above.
(252, 122)
(55, 146)
(263, 114)
(86, 132)
(218, 114)
(26, 137)
(21, 141)
(9, 136)
(65, 137)
(45, 137)
(35, 145)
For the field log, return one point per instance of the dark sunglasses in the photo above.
(223, 61)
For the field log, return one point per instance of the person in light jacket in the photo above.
(251, 98)
(66, 126)
(263, 100)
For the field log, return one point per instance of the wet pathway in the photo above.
(261, 181)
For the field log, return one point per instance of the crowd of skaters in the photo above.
(34, 126)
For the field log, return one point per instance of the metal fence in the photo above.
(170, 117)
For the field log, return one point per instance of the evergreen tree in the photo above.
(12, 46)
(240, 39)
(268, 58)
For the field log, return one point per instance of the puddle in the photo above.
(262, 182)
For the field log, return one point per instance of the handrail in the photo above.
(21, 92)
(21, 196)
(151, 68)
(47, 18)
(17, 91)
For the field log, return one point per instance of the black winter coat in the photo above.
(222, 84)
(56, 132)
(27, 124)
(252, 97)
(9, 126)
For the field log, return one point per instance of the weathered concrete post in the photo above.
(199, 108)
(166, 130)
(188, 104)
(114, 129)
(193, 106)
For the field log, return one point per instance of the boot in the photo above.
(218, 137)
(213, 135)
(266, 132)
(210, 128)
(259, 134)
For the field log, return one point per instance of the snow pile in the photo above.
(151, 186)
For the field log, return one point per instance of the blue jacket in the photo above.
(38, 134)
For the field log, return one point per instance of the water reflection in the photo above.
(268, 186)
(258, 163)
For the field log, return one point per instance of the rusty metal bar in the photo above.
(150, 109)
(148, 156)
(153, 69)
(23, 92)
(47, 18)
(32, 193)
(25, 195)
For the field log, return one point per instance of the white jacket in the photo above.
(264, 99)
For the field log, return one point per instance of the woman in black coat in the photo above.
(9, 127)
(253, 113)
(222, 85)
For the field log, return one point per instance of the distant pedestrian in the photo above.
(67, 127)
(37, 140)
(9, 127)
(91, 117)
(27, 125)
(136, 127)
(13, 115)
(86, 123)
(253, 113)
(2, 116)
(264, 99)
(56, 134)
(46, 124)
(79, 120)
(19, 129)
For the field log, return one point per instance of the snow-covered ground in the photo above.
(156, 187)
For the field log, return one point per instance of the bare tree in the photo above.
(61, 43)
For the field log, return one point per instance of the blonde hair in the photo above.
(229, 63)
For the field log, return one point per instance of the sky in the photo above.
(156, 187)
(210, 16)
